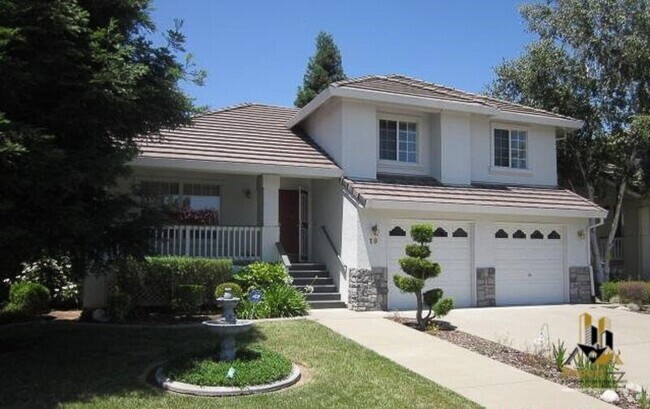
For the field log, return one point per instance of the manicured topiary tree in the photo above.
(419, 269)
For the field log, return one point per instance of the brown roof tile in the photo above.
(247, 133)
(429, 190)
(400, 84)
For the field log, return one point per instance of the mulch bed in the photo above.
(535, 364)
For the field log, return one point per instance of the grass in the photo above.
(253, 366)
(68, 365)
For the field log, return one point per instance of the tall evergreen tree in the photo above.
(324, 68)
(79, 81)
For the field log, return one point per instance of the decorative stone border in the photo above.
(189, 389)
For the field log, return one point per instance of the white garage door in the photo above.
(529, 264)
(450, 248)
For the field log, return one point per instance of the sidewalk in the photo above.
(478, 378)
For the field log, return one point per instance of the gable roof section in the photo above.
(425, 193)
(434, 96)
(248, 134)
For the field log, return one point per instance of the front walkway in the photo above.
(481, 379)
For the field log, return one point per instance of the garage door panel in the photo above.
(453, 255)
(529, 270)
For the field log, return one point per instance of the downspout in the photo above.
(591, 268)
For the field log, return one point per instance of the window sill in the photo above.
(496, 170)
(398, 164)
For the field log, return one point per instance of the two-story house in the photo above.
(339, 182)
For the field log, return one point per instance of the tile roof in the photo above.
(246, 133)
(400, 84)
(429, 190)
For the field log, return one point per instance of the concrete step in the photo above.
(309, 273)
(330, 288)
(307, 266)
(313, 281)
(323, 296)
(316, 305)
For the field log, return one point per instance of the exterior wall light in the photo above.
(581, 234)
(375, 230)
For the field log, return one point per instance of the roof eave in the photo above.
(568, 124)
(429, 103)
(310, 107)
(386, 204)
(235, 167)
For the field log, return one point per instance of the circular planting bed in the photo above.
(255, 370)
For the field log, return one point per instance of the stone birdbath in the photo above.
(228, 326)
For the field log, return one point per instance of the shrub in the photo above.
(285, 301)
(250, 310)
(32, 298)
(12, 314)
(154, 281)
(636, 292)
(234, 287)
(119, 306)
(262, 275)
(608, 290)
(56, 275)
(189, 298)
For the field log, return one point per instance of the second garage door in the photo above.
(450, 248)
(529, 264)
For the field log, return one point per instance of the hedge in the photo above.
(154, 282)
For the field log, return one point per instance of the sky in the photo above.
(257, 51)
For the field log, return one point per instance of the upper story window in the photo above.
(510, 148)
(398, 141)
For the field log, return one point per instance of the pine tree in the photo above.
(419, 269)
(324, 68)
(79, 81)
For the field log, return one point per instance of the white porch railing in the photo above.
(235, 242)
(617, 248)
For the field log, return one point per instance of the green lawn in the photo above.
(67, 365)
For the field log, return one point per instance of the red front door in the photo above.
(289, 222)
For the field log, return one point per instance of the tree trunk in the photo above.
(593, 239)
(418, 315)
(613, 227)
(597, 259)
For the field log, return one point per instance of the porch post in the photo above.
(268, 214)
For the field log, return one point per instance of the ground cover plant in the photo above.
(254, 365)
(84, 366)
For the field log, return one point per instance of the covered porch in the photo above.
(239, 216)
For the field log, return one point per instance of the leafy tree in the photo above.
(79, 81)
(324, 68)
(591, 61)
(419, 270)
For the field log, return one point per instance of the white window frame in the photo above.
(509, 128)
(181, 186)
(418, 141)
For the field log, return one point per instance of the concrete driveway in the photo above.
(519, 327)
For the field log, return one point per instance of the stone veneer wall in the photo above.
(485, 287)
(580, 285)
(368, 289)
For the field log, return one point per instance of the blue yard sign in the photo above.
(255, 296)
